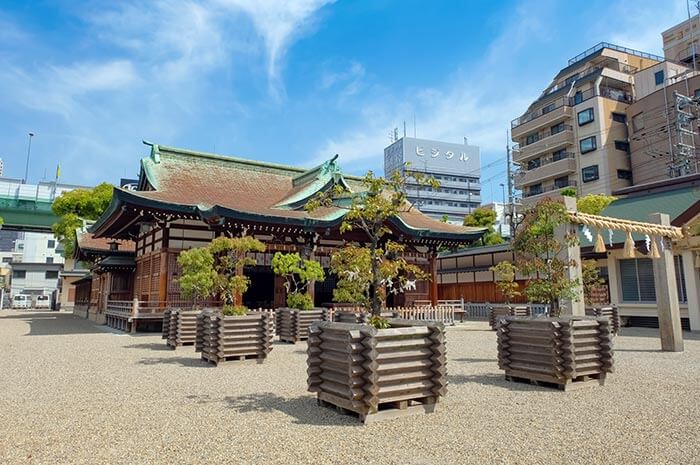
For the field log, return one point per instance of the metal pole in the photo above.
(511, 206)
(29, 151)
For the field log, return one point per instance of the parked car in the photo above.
(22, 301)
(42, 301)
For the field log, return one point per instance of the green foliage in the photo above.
(537, 248)
(234, 310)
(505, 280)
(378, 322)
(594, 204)
(198, 275)
(230, 257)
(352, 265)
(445, 219)
(298, 274)
(300, 301)
(380, 200)
(590, 275)
(72, 207)
(568, 192)
(484, 218)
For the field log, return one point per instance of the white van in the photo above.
(22, 301)
(42, 301)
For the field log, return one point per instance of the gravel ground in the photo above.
(74, 392)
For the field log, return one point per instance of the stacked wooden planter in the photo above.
(203, 322)
(293, 325)
(182, 328)
(166, 322)
(610, 312)
(498, 312)
(227, 338)
(564, 352)
(356, 315)
(378, 373)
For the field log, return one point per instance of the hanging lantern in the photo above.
(654, 250)
(599, 244)
(629, 246)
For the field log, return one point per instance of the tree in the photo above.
(505, 280)
(230, 258)
(590, 275)
(369, 211)
(568, 192)
(484, 218)
(537, 248)
(594, 204)
(198, 275)
(353, 267)
(73, 207)
(298, 274)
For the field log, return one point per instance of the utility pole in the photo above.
(511, 203)
(683, 153)
(29, 151)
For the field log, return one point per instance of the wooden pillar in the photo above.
(613, 279)
(692, 289)
(666, 293)
(433, 289)
(575, 306)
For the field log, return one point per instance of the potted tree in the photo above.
(234, 333)
(196, 283)
(560, 351)
(294, 320)
(504, 274)
(387, 367)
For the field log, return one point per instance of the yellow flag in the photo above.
(58, 171)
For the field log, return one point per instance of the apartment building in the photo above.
(455, 166)
(681, 42)
(575, 134)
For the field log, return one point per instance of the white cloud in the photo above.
(641, 23)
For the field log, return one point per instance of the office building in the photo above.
(575, 134)
(455, 166)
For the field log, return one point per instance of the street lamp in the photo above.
(29, 151)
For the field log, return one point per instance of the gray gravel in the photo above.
(73, 392)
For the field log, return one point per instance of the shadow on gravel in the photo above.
(55, 323)
(304, 409)
(182, 361)
(493, 379)
(150, 346)
(644, 351)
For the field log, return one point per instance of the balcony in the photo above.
(452, 197)
(547, 143)
(547, 116)
(460, 184)
(548, 169)
(549, 190)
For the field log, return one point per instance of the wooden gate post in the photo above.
(666, 293)
(575, 306)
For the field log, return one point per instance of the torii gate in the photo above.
(664, 269)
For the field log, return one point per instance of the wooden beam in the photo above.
(433, 289)
(666, 293)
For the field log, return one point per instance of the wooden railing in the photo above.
(443, 314)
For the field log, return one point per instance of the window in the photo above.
(7, 259)
(578, 97)
(624, 174)
(20, 246)
(588, 144)
(51, 274)
(590, 173)
(536, 189)
(557, 128)
(637, 280)
(49, 259)
(559, 155)
(51, 244)
(619, 117)
(659, 77)
(531, 138)
(585, 116)
(548, 108)
(532, 164)
(561, 182)
(622, 145)
(19, 274)
(680, 279)
(638, 122)
(696, 93)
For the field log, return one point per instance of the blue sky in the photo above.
(286, 81)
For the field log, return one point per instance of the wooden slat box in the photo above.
(226, 338)
(356, 315)
(166, 322)
(378, 373)
(565, 352)
(293, 325)
(182, 328)
(609, 311)
(499, 311)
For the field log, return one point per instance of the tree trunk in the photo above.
(376, 304)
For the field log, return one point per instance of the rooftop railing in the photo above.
(602, 45)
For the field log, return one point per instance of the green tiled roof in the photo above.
(639, 208)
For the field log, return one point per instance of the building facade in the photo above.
(575, 134)
(681, 42)
(455, 166)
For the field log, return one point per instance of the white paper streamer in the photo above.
(587, 233)
(647, 240)
(662, 240)
(610, 237)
